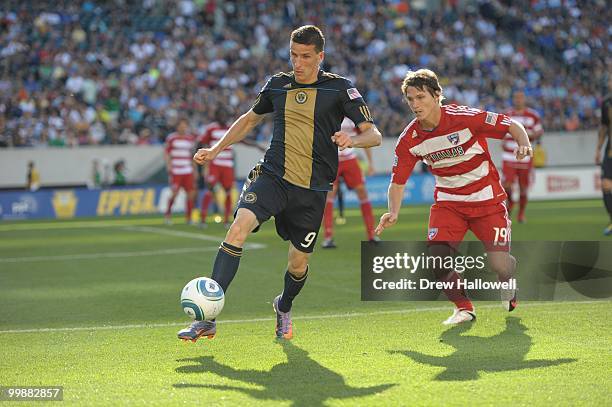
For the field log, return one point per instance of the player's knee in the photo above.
(606, 185)
(238, 232)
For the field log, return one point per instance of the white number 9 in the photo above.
(309, 239)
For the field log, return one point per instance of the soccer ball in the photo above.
(202, 299)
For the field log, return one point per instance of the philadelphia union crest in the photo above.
(301, 97)
(250, 197)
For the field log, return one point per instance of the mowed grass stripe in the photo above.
(297, 318)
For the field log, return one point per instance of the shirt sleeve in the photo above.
(263, 104)
(403, 163)
(490, 124)
(353, 105)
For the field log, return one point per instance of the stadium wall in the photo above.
(72, 166)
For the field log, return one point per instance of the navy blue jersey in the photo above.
(305, 119)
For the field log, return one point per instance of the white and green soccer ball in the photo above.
(202, 299)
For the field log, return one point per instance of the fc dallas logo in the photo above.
(453, 138)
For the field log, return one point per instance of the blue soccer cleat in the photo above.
(608, 230)
(197, 330)
(284, 326)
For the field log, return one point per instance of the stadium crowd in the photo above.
(81, 72)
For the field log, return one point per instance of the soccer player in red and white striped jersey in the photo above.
(350, 172)
(220, 170)
(177, 153)
(451, 140)
(514, 168)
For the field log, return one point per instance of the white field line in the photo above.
(189, 235)
(302, 318)
(176, 233)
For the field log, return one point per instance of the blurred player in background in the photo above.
(606, 163)
(468, 195)
(221, 170)
(350, 171)
(298, 169)
(218, 171)
(177, 153)
(514, 169)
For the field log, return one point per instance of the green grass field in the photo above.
(92, 305)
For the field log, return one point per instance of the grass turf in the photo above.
(89, 280)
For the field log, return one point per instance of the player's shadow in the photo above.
(505, 351)
(300, 379)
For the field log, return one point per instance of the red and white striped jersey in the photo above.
(180, 149)
(531, 120)
(457, 153)
(348, 127)
(214, 133)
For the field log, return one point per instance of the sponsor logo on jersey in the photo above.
(353, 93)
(301, 97)
(448, 153)
(491, 118)
(433, 232)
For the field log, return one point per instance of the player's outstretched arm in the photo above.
(519, 134)
(395, 197)
(237, 132)
(369, 136)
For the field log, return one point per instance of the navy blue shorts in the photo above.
(297, 211)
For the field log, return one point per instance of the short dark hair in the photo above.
(422, 79)
(309, 35)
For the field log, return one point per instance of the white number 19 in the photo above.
(502, 236)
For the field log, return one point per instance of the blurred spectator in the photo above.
(119, 168)
(83, 72)
(96, 175)
(33, 177)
